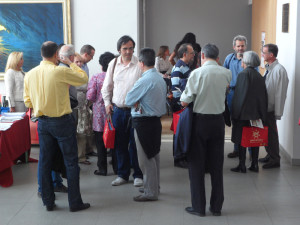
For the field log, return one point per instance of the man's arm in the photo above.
(74, 75)
(26, 97)
(227, 61)
(107, 88)
(282, 82)
(190, 91)
(136, 93)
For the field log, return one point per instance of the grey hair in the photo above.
(239, 38)
(67, 50)
(210, 51)
(250, 58)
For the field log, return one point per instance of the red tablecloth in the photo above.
(13, 143)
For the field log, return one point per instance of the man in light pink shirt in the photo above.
(121, 75)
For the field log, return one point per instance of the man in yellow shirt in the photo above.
(46, 90)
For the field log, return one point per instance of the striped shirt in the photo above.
(180, 74)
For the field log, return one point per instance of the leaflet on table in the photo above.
(257, 123)
(5, 126)
(13, 114)
(10, 118)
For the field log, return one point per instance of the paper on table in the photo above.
(10, 118)
(13, 114)
(257, 123)
(5, 126)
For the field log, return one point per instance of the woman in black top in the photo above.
(250, 102)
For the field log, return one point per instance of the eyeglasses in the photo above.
(127, 49)
(264, 53)
(191, 53)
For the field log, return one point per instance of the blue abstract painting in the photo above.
(24, 27)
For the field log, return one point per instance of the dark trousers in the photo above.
(207, 145)
(59, 130)
(125, 144)
(273, 142)
(101, 151)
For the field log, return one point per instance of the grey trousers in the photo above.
(150, 169)
(273, 145)
(20, 106)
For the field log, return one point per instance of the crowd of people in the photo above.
(133, 93)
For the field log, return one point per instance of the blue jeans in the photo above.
(59, 130)
(126, 156)
(56, 179)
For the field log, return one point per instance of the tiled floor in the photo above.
(269, 197)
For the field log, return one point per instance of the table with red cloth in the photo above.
(14, 142)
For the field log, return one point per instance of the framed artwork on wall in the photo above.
(25, 25)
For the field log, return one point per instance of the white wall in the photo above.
(288, 129)
(296, 152)
(214, 21)
(101, 23)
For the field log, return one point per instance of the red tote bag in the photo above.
(109, 134)
(176, 116)
(254, 137)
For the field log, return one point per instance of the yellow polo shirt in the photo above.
(46, 88)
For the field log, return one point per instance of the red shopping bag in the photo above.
(299, 121)
(109, 134)
(176, 116)
(254, 137)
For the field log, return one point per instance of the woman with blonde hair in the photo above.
(14, 82)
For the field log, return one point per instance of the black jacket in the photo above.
(250, 100)
(148, 130)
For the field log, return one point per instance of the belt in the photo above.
(122, 108)
(232, 88)
(60, 117)
(208, 115)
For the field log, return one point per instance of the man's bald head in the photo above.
(48, 49)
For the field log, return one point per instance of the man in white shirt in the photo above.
(277, 83)
(121, 75)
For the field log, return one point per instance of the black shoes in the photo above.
(62, 189)
(215, 213)
(254, 168)
(238, 169)
(143, 198)
(92, 154)
(50, 207)
(233, 154)
(83, 206)
(191, 210)
(100, 172)
(265, 159)
(181, 164)
(271, 165)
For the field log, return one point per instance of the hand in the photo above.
(12, 109)
(109, 109)
(65, 60)
(184, 104)
(165, 75)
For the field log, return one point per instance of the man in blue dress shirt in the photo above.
(233, 61)
(147, 100)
